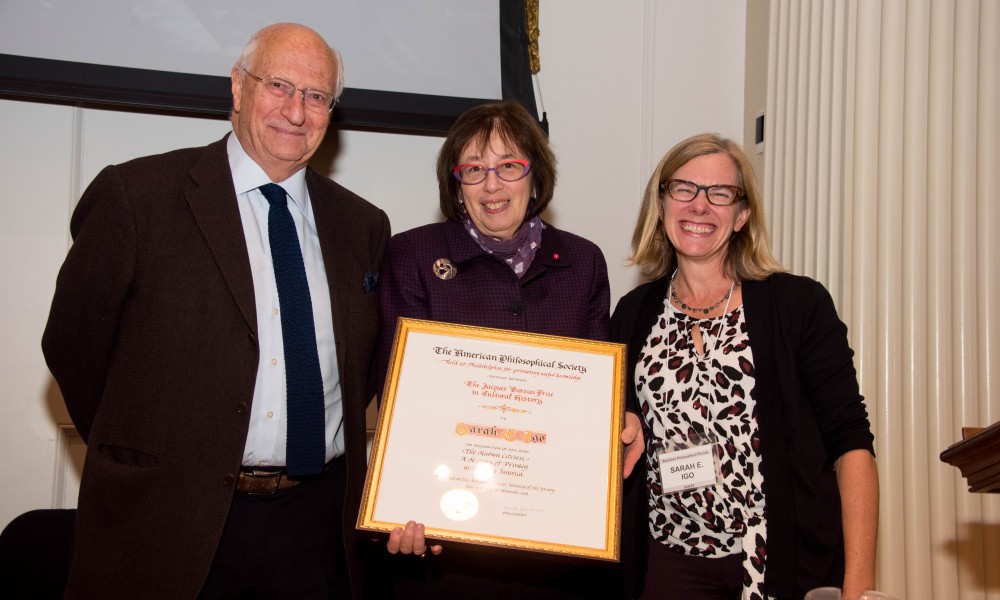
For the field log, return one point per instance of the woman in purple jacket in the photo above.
(759, 471)
(494, 263)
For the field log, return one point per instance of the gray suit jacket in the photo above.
(152, 338)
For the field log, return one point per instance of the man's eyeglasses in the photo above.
(685, 191)
(315, 100)
(509, 171)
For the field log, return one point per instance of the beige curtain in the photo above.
(882, 173)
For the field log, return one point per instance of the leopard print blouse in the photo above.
(683, 395)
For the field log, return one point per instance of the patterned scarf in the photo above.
(519, 250)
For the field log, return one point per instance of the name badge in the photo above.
(688, 468)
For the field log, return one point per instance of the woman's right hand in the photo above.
(410, 540)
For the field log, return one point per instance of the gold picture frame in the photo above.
(500, 438)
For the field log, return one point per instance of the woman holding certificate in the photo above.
(760, 475)
(493, 263)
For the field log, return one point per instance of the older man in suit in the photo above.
(212, 334)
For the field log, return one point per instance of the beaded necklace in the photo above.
(673, 295)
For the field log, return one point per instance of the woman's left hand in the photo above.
(857, 478)
(634, 442)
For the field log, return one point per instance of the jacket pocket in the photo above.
(128, 456)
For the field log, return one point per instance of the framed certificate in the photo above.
(500, 438)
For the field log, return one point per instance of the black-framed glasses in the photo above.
(315, 100)
(508, 170)
(682, 190)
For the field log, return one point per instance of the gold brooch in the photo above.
(444, 269)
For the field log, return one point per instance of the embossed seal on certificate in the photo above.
(444, 269)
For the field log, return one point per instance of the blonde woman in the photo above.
(760, 478)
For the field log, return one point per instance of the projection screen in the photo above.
(408, 65)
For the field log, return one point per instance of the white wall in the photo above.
(621, 83)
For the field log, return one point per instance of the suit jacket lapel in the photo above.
(213, 203)
(329, 216)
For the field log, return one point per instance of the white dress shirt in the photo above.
(265, 445)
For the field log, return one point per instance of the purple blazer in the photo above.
(564, 292)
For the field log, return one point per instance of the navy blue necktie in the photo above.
(306, 446)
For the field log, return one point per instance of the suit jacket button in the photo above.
(252, 338)
(516, 309)
(229, 480)
(241, 407)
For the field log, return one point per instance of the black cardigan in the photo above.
(809, 412)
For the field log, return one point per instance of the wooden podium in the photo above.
(977, 456)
